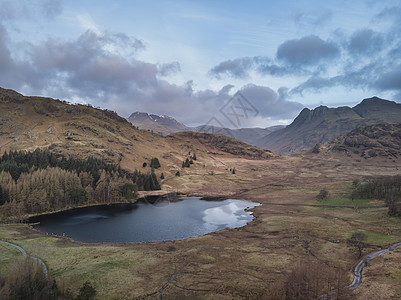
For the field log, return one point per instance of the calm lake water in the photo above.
(160, 221)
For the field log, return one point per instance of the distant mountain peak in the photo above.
(138, 114)
(157, 118)
(375, 100)
(159, 123)
(324, 124)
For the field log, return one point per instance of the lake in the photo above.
(145, 222)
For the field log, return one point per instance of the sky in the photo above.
(225, 63)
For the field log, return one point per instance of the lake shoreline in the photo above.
(143, 198)
(147, 220)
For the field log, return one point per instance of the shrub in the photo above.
(86, 292)
(357, 242)
(316, 149)
(323, 194)
(186, 163)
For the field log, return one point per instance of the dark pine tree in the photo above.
(154, 163)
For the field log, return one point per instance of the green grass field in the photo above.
(345, 201)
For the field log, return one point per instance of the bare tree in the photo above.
(310, 279)
(357, 242)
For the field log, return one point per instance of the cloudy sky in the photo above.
(187, 59)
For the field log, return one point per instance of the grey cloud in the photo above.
(279, 70)
(132, 44)
(372, 62)
(294, 57)
(269, 103)
(390, 80)
(179, 101)
(112, 74)
(87, 62)
(115, 41)
(308, 50)
(364, 77)
(240, 68)
(14, 73)
(5, 57)
(236, 68)
(168, 68)
(226, 89)
(283, 93)
(89, 69)
(365, 42)
(85, 67)
(203, 105)
(315, 83)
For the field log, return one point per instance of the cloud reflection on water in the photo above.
(230, 215)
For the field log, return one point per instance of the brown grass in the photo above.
(236, 263)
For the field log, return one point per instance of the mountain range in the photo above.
(310, 127)
(30, 122)
(324, 124)
(166, 125)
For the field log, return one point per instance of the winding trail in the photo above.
(359, 267)
(356, 282)
(45, 271)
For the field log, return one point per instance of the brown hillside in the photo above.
(221, 144)
(27, 123)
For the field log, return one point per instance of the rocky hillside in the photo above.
(324, 124)
(370, 141)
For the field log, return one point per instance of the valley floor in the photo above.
(249, 262)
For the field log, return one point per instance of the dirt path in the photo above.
(45, 271)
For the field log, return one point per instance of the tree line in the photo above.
(35, 182)
(386, 188)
